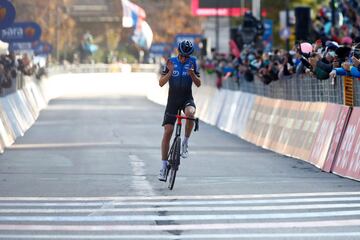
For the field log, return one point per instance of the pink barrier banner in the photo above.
(337, 137)
(325, 133)
(347, 162)
(286, 127)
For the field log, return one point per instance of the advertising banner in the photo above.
(243, 109)
(312, 113)
(229, 110)
(286, 127)
(324, 136)
(161, 49)
(347, 162)
(217, 8)
(21, 32)
(42, 48)
(20, 47)
(268, 35)
(337, 138)
(38, 47)
(7, 14)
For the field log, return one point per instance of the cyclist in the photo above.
(180, 72)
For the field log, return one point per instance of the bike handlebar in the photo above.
(196, 120)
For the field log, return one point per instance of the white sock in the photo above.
(185, 141)
(164, 164)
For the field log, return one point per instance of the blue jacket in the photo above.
(354, 72)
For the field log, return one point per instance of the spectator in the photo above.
(335, 52)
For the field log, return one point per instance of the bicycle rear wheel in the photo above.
(175, 162)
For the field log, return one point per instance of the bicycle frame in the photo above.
(178, 124)
(174, 153)
(177, 133)
(179, 119)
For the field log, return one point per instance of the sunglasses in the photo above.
(184, 56)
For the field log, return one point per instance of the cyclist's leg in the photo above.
(165, 143)
(189, 111)
(168, 125)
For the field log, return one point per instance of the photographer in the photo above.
(251, 29)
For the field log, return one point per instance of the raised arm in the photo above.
(167, 73)
(194, 75)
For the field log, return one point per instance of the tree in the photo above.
(165, 17)
(58, 28)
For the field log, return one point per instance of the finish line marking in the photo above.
(125, 198)
(181, 227)
(134, 218)
(189, 236)
(180, 202)
(187, 209)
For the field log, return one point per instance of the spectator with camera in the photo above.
(350, 67)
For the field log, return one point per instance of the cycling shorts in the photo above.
(172, 107)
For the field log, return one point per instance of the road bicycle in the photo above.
(174, 152)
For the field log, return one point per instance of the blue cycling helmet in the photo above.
(185, 48)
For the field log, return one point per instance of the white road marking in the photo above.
(190, 236)
(183, 209)
(142, 187)
(198, 197)
(64, 145)
(108, 206)
(182, 227)
(133, 218)
(142, 212)
(181, 202)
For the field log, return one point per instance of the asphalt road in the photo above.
(88, 169)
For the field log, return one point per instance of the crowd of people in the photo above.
(333, 52)
(11, 65)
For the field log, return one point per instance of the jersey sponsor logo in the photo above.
(176, 73)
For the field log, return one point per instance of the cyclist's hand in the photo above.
(191, 70)
(170, 65)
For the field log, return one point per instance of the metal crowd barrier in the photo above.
(301, 88)
(102, 68)
(16, 84)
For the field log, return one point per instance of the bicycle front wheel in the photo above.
(175, 160)
(172, 178)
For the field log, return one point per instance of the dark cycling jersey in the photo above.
(180, 82)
